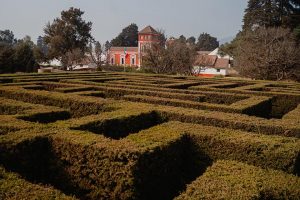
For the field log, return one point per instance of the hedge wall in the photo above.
(12, 186)
(234, 180)
(78, 106)
(264, 151)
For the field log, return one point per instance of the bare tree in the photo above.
(73, 57)
(95, 52)
(268, 53)
(176, 58)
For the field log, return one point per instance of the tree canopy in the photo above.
(268, 53)
(16, 55)
(127, 38)
(176, 58)
(67, 34)
(191, 40)
(7, 36)
(272, 13)
(206, 42)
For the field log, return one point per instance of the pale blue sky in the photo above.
(220, 18)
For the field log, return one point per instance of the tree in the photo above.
(24, 60)
(182, 39)
(162, 38)
(231, 48)
(191, 40)
(95, 54)
(107, 46)
(73, 57)
(7, 37)
(207, 43)
(177, 58)
(272, 13)
(41, 50)
(127, 38)
(6, 59)
(42, 45)
(67, 35)
(268, 53)
(16, 55)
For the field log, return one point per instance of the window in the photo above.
(132, 61)
(122, 61)
(218, 70)
(112, 61)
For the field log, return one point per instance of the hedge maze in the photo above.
(141, 136)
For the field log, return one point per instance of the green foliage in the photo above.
(17, 57)
(118, 128)
(254, 149)
(234, 180)
(96, 144)
(127, 38)
(12, 186)
(206, 42)
(231, 48)
(67, 33)
(191, 40)
(272, 14)
(7, 37)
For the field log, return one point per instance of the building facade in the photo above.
(210, 64)
(133, 56)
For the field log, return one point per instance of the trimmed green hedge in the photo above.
(264, 151)
(154, 163)
(258, 106)
(231, 120)
(46, 117)
(211, 97)
(78, 105)
(234, 180)
(12, 186)
(121, 127)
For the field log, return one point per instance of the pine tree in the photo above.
(207, 43)
(127, 38)
(272, 13)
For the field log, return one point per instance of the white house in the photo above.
(210, 64)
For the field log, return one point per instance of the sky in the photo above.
(220, 18)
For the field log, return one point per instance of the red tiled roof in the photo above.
(211, 61)
(148, 30)
(222, 63)
(206, 60)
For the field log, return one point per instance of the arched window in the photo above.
(112, 61)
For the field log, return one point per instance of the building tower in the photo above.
(147, 37)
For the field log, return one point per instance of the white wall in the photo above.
(209, 70)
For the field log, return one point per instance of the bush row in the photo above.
(78, 105)
(73, 89)
(258, 106)
(234, 180)
(152, 164)
(211, 97)
(231, 120)
(117, 127)
(266, 151)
